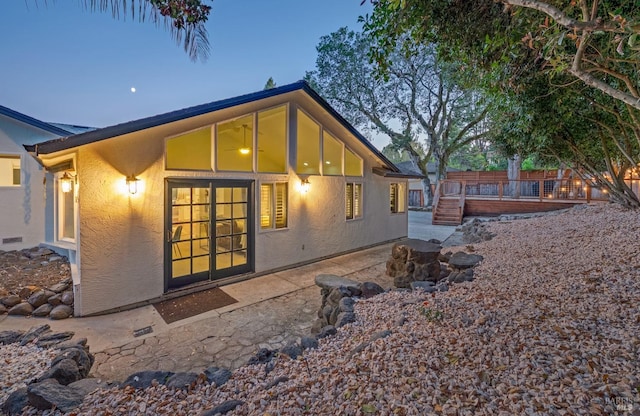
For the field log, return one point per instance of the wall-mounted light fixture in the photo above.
(66, 182)
(305, 186)
(132, 184)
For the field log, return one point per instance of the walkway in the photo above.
(271, 310)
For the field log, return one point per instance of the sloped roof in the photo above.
(408, 167)
(136, 125)
(49, 127)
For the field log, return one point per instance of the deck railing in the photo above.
(544, 189)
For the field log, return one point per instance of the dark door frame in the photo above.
(212, 184)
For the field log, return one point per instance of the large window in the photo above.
(9, 170)
(353, 200)
(398, 197)
(308, 161)
(272, 140)
(190, 151)
(273, 205)
(234, 144)
(332, 155)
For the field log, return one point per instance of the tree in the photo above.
(596, 41)
(419, 99)
(185, 19)
(270, 84)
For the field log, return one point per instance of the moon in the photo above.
(133, 89)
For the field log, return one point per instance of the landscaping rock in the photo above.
(33, 333)
(462, 260)
(89, 385)
(182, 380)
(60, 312)
(49, 393)
(3, 309)
(16, 401)
(308, 343)
(218, 376)
(42, 310)
(327, 331)
(223, 408)
(345, 318)
(346, 304)
(292, 350)
(414, 260)
(370, 289)
(55, 300)
(67, 297)
(83, 359)
(11, 300)
(56, 339)
(38, 298)
(59, 287)
(330, 281)
(23, 309)
(428, 287)
(64, 371)
(9, 337)
(144, 379)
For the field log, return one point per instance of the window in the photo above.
(332, 155)
(308, 145)
(190, 151)
(398, 197)
(272, 140)
(273, 205)
(353, 200)
(234, 144)
(9, 170)
(352, 163)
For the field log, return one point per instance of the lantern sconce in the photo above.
(132, 184)
(66, 182)
(305, 186)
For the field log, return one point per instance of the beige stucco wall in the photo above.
(22, 208)
(122, 236)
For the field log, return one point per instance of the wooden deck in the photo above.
(456, 198)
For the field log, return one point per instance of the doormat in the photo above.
(173, 310)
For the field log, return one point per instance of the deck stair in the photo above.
(448, 210)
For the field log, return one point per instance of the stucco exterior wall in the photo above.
(22, 207)
(122, 236)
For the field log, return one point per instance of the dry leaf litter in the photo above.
(550, 326)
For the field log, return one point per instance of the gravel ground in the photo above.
(20, 364)
(550, 326)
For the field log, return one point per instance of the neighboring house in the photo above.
(22, 187)
(213, 194)
(416, 192)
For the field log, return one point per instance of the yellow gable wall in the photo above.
(122, 236)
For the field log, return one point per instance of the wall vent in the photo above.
(11, 240)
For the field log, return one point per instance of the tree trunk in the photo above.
(513, 174)
(426, 190)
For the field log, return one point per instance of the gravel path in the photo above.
(550, 326)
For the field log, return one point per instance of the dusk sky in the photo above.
(62, 63)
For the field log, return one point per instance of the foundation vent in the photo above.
(12, 240)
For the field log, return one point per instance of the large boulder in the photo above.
(16, 401)
(48, 393)
(414, 260)
(38, 298)
(370, 289)
(83, 359)
(64, 371)
(42, 310)
(60, 312)
(144, 379)
(11, 300)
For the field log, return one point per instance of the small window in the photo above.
(273, 205)
(353, 200)
(352, 163)
(9, 170)
(190, 151)
(398, 197)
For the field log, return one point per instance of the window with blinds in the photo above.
(353, 200)
(398, 197)
(273, 205)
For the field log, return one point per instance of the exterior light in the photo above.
(132, 184)
(305, 186)
(245, 150)
(66, 182)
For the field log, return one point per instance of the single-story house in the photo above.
(22, 179)
(213, 194)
